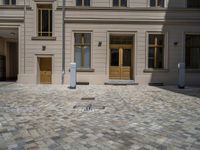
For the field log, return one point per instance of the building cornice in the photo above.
(11, 19)
(14, 7)
(131, 21)
(74, 8)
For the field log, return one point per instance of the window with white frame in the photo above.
(193, 3)
(82, 2)
(156, 51)
(44, 19)
(157, 3)
(82, 50)
(9, 2)
(192, 54)
(119, 3)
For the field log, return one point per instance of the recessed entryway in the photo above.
(45, 70)
(121, 57)
(8, 54)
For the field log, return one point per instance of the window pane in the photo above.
(78, 56)
(13, 2)
(78, 39)
(114, 57)
(152, 3)
(6, 2)
(115, 2)
(193, 3)
(51, 23)
(124, 3)
(151, 58)
(192, 57)
(152, 39)
(160, 39)
(87, 38)
(39, 21)
(86, 57)
(159, 58)
(86, 2)
(78, 2)
(45, 20)
(160, 3)
(156, 51)
(127, 57)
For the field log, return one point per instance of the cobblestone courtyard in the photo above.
(119, 118)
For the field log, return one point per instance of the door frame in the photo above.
(127, 33)
(39, 56)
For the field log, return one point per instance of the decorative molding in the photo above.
(11, 19)
(44, 38)
(192, 70)
(118, 9)
(45, 1)
(14, 7)
(131, 21)
(156, 70)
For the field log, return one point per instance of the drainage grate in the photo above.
(88, 98)
(89, 107)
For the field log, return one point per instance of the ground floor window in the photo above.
(82, 50)
(9, 2)
(192, 55)
(156, 51)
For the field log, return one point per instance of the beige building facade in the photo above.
(141, 41)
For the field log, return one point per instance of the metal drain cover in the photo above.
(88, 98)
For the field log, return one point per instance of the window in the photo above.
(193, 3)
(156, 51)
(192, 55)
(45, 20)
(82, 2)
(82, 49)
(9, 2)
(119, 3)
(157, 3)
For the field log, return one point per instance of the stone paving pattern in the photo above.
(42, 117)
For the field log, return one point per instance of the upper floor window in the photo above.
(82, 50)
(156, 51)
(193, 3)
(44, 20)
(119, 3)
(9, 2)
(192, 54)
(157, 3)
(82, 2)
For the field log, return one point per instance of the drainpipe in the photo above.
(24, 36)
(63, 41)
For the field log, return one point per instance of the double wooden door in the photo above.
(120, 63)
(45, 66)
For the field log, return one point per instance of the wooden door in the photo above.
(120, 63)
(45, 65)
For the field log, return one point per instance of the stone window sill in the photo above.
(155, 70)
(84, 70)
(43, 38)
(192, 70)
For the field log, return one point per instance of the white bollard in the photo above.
(72, 76)
(181, 79)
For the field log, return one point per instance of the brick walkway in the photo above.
(120, 118)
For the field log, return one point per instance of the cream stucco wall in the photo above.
(101, 19)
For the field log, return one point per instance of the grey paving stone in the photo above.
(135, 117)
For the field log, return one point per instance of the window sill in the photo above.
(192, 70)
(84, 70)
(43, 38)
(155, 70)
